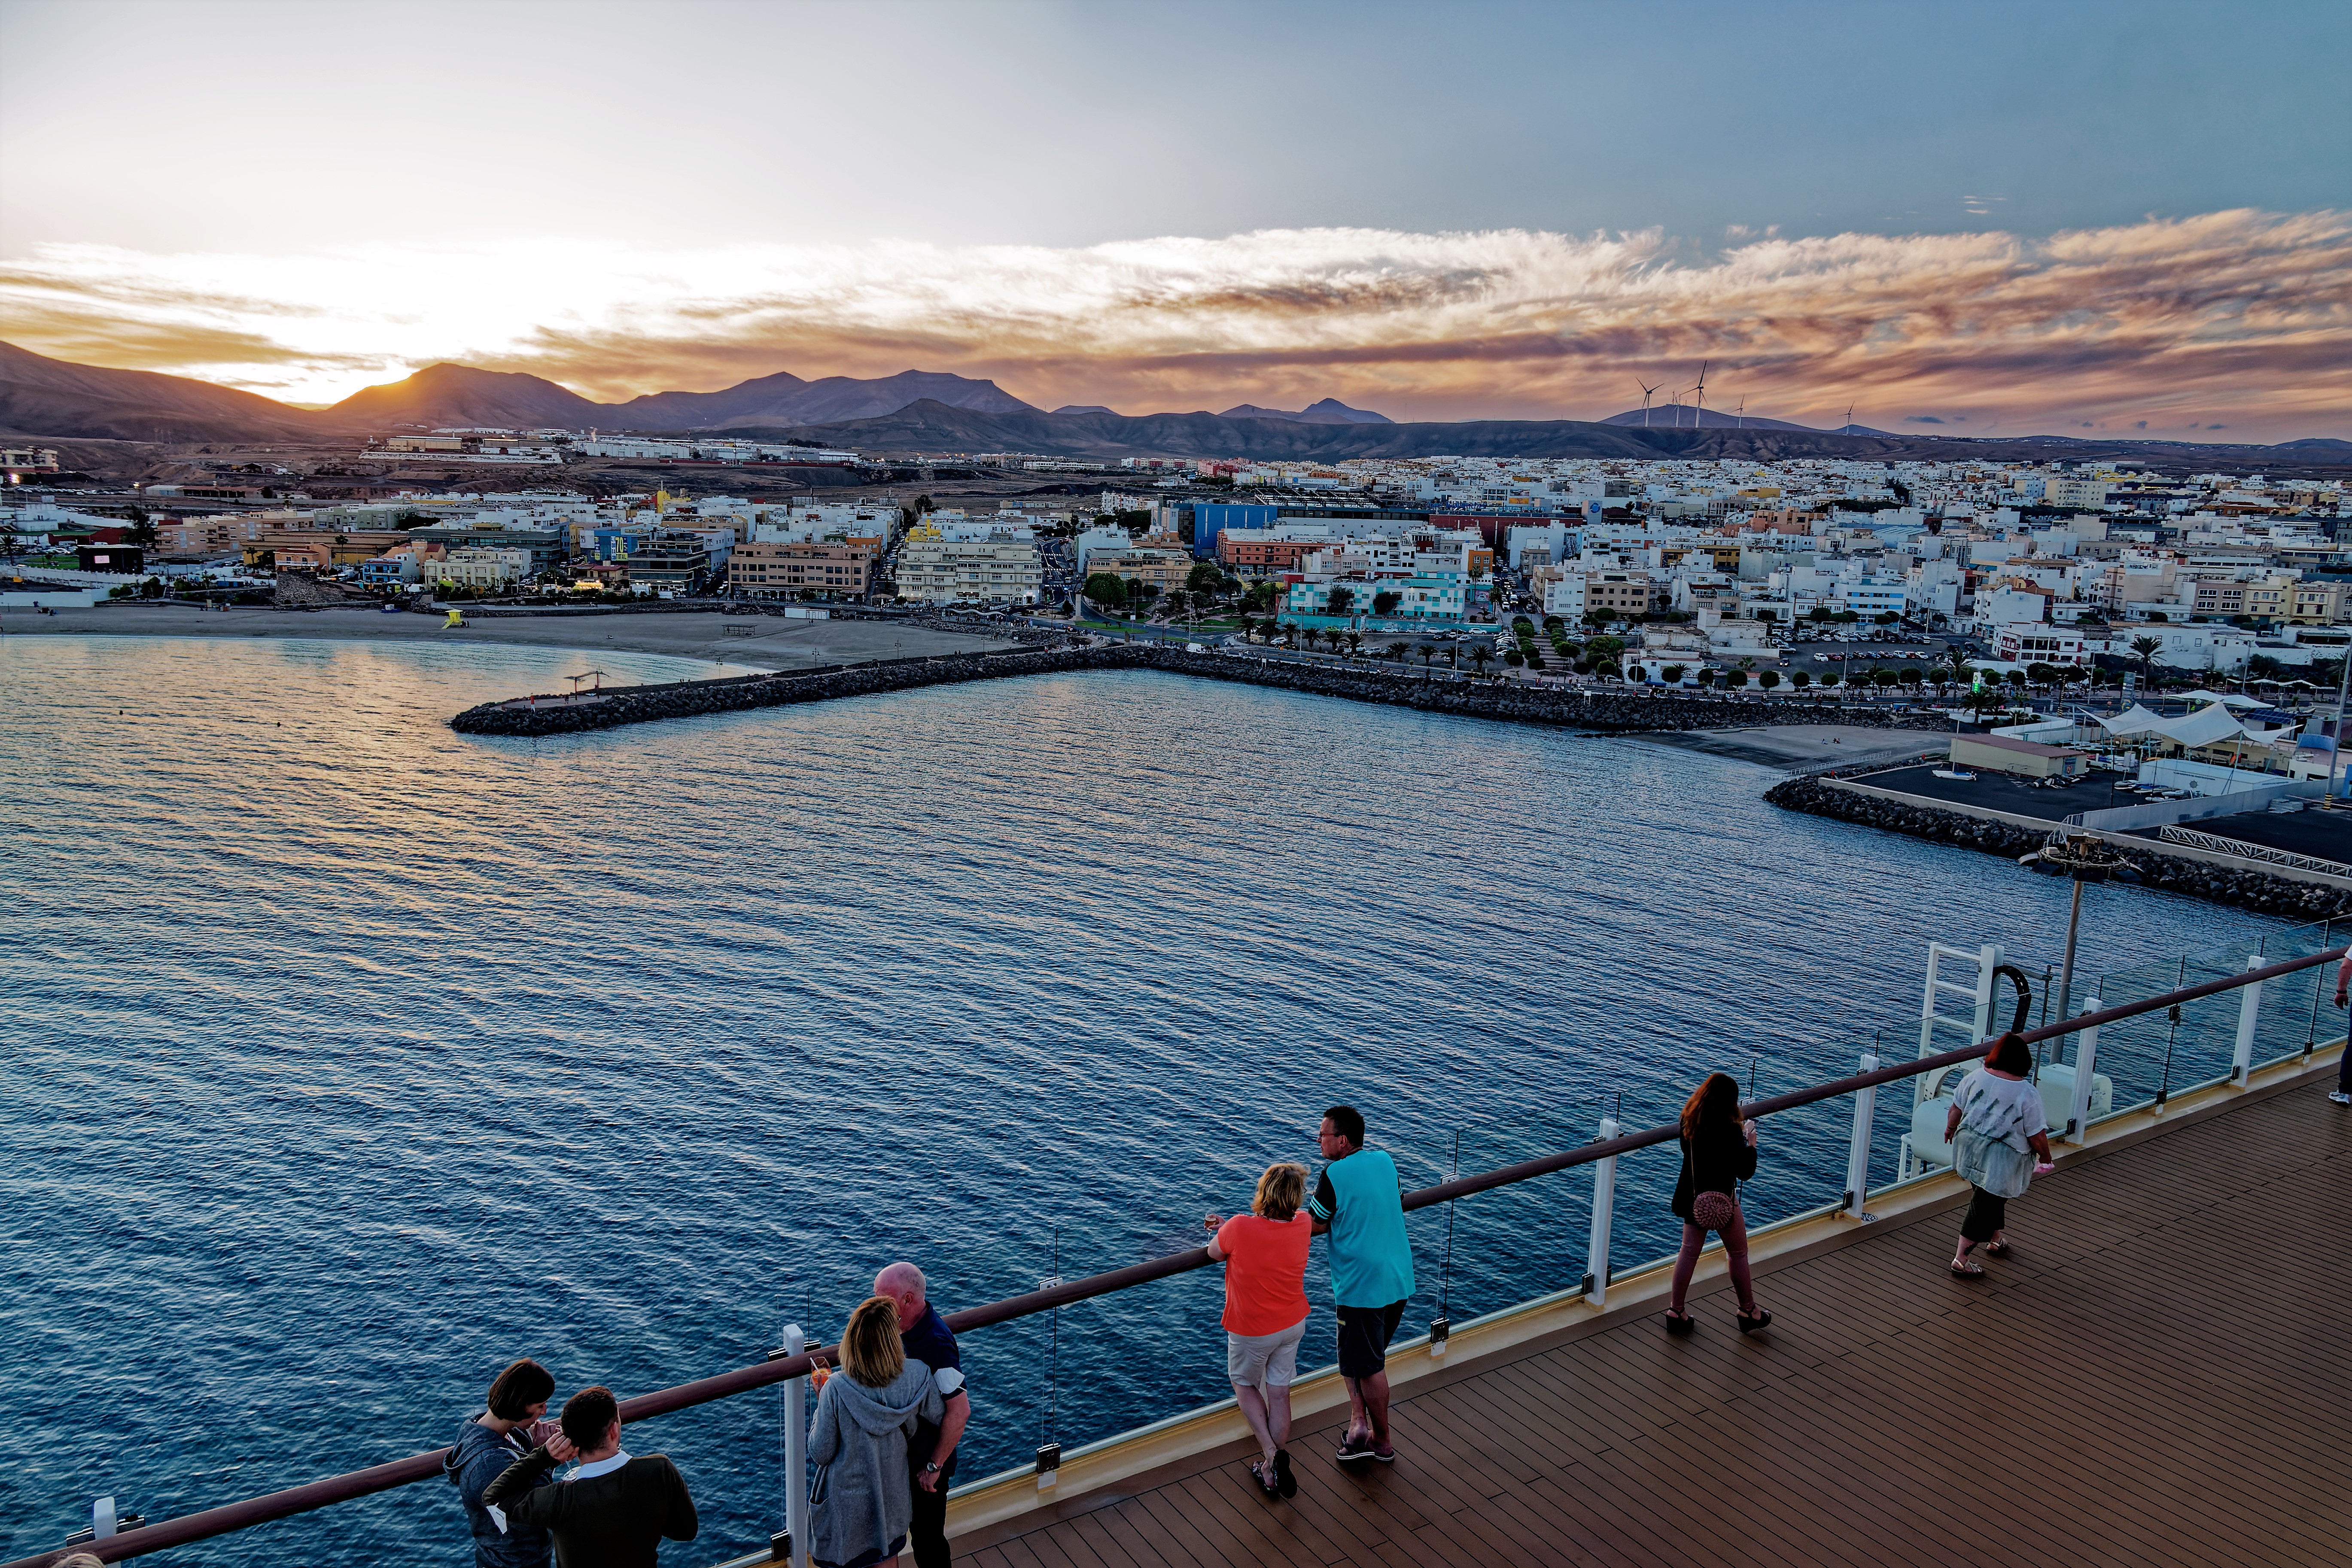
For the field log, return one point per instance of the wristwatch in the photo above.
(930, 1466)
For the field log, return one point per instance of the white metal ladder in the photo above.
(1958, 1032)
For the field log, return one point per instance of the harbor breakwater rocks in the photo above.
(553, 714)
(1510, 701)
(1616, 712)
(2249, 890)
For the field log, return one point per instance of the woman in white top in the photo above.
(1999, 1140)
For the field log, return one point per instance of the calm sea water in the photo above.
(347, 1059)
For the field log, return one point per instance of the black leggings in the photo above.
(1987, 1216)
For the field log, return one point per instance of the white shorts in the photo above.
(1264, 1360)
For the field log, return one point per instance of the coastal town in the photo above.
(1707, 567)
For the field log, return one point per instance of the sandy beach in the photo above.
(779, 644)
(1805, 745)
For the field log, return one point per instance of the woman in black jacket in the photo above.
(1718, 1153)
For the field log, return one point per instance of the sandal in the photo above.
(1996, 1249)
(1749, 1325)
(1282, 1476)
(1971, 1272)
(1266, 1483)
(1679, 1323)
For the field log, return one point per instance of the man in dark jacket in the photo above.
(613, 1511)
(487, 1444)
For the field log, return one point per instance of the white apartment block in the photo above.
(981, 570)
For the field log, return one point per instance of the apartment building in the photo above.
(771, 570)
(2319, 604)
(1155, 560)
(2269, 597)
(481, 567)
(1259, 552)
(1611, 595)
(321, 550)
(984, 571)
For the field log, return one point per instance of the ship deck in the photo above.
(2158, 1374)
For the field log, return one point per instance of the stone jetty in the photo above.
(1611, 712)
(2175, 874)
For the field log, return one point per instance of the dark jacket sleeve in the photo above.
(678, 1521)
(518, 1491)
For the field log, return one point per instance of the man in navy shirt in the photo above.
(930, 1453)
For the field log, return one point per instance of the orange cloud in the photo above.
(2239, 318)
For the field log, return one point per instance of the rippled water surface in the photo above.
(348, 1059)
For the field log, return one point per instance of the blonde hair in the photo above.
(870, 1350)
(1280, 1192)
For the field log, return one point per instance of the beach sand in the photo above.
(1806, 745)
(779, 644)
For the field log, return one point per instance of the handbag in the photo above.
(1714, 1211)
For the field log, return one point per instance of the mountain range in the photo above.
(917, 411)
(1330, 411)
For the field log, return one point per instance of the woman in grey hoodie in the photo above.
(864, 1418)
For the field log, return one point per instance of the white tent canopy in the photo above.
(2232, 699)
(2133, 720)
(2201, 728)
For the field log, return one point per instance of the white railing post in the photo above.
(2249, 1012)
(1604, 1203)
(796, 1529)
(2086, 1063)
(1857, 1159)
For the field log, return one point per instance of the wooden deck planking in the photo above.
(2154, 1377)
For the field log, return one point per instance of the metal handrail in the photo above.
(231, 1516)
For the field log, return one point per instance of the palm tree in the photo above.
(1428, 651)
(2146, 649)
(1397, 651)
(1355, 644)
(1479, 655)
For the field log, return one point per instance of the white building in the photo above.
(481, 567)
(983, 571)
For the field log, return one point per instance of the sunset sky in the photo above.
(1995, 220)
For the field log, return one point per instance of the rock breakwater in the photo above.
(1596, 711)
(2249, 890)
(555, 714)
(1614, 712)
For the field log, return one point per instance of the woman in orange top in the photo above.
(1264, 1255)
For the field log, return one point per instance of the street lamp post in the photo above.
(2084, 858)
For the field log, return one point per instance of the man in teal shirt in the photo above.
(1358, 1202)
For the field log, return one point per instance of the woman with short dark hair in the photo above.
(512, 1424)
(2000, 1141)
(1718, 1153)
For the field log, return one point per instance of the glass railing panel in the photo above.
(1801, 1154)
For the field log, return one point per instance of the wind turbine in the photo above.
(1646, 392)
(1699, 414)
(1849, 421)
(1740, 414)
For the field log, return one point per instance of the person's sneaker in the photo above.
(2339, 1097)
(1352, 1447)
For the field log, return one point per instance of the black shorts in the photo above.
(1364, 1336)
